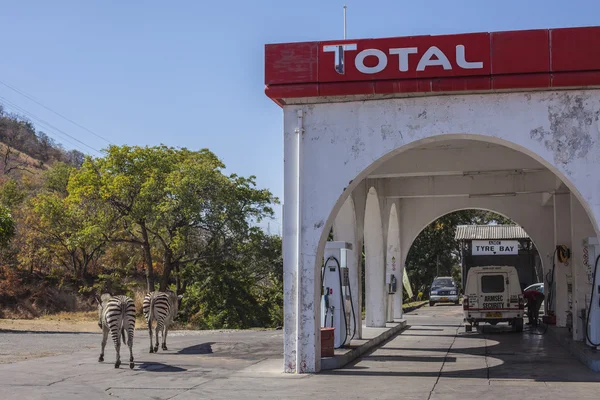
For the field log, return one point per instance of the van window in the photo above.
(492, 283)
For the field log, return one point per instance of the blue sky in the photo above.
(190, 73)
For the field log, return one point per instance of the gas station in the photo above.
(383, 136)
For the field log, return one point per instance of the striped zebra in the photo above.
(161, 307)
(116, 315)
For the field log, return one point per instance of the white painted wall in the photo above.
(345, 142)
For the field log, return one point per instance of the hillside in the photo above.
(27, 148)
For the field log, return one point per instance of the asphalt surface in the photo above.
(433, 359)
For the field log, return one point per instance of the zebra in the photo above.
(161, 307)
(116, 314)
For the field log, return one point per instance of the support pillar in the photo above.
(344, 229)
(582, 228)
(393, 262)
(562, 272)
(374, 262)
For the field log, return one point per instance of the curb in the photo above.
(341, 360)
(413, 308)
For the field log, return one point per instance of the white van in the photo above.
(493, 294)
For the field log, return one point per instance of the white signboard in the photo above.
(494, 247)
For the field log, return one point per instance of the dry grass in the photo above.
(82, 316)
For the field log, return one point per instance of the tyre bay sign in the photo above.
(494, 247)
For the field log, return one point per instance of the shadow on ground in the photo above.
(491, 353)
(159, 367)
(204, 348)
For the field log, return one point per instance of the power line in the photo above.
(55, 112)
(48, 125)
(48, 130)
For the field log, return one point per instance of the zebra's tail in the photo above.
(151, 311)
(123, 333)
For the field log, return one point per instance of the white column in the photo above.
(344, 229)
(291, 247)
(303, 232)
(562, 272)
(374, 263)
(359, 196)
(582, 228)
(393, 262)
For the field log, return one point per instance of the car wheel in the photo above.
(431, 304)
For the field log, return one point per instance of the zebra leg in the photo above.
(150, 333)
(117, 340)
(158, 329)
(104, 339)
(130, 331)
(164, 342)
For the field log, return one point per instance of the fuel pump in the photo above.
(337, 309)
(393, 285)
(592, 334)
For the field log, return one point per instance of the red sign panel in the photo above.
(405, 58)
(475, 62)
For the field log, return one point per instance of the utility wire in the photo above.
(55, 112)
(20, 111)
(47, 124)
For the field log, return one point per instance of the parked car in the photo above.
(536, 286)
(443, 290)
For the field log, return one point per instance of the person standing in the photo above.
(534, 302)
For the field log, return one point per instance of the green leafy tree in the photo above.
(7, 226)
(130, 182)
(63, 231)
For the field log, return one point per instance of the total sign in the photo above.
(494, 247)
(405, 57)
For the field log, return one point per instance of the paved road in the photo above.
(433, 359)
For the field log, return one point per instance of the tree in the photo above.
(65, 232)
(7, 226)
(239, 288)
(129, 181)
(173, 201)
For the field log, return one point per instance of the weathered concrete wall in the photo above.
(581, 229)
(343, 143)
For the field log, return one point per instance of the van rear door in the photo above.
(493, 293)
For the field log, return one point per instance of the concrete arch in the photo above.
(374, 262)
(394, 265)
(518, 121)
(537, 221)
